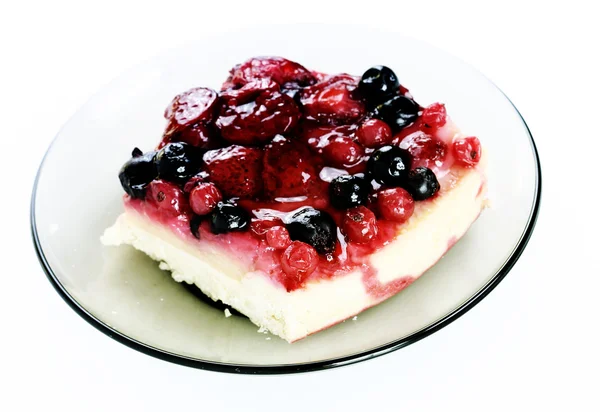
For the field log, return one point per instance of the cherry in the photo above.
(434, 115)
(374, 133)
(278, 237)
(298, 261)
(467, 151)
(343, 152)
(395, 204)
(204, 198)
(167, 197)
(425, 149)
(359, 225)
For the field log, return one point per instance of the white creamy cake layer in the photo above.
(434, 227)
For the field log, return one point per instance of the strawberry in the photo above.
(235, 170)
(289, 169)
(278, 69)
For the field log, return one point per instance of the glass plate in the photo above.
(123, 293)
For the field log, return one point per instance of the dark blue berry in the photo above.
(398, 112)
(389, 165)
(315, 227)
(229, 217)
(177, 162)
(195, 223)
(346, 191)
(137, 172)
(378, 84)
(422, 183)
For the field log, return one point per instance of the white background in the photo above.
(530, 345)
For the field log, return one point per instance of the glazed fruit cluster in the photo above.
(325, 153)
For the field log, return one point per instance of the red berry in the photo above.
(260, 227)
(194, 181)
(167, 197)
(343, 152)
(298, 261)
(193, 106)
(359, 225)
(290, 169)
(236, 170)
(395, 204)
(331, 100)
(278, 237)
(255, 113)
(426, 150)
(434, 115)
(374, 133)
(278, 69)
(198, 135)
(467, 151)
(204, 198)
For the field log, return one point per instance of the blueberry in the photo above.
(346, 191)
(228, 217)
(378, 84)
(398, 112)
(315, 227)
(177, 162)
(422, 183)
(195, 223)
(137, 172)
(389, 165)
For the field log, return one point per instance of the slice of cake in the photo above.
(298, 198)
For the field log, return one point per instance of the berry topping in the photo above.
(467, 151)
(195, 181)
(398, 112)
(204, 198)
(195, 223)
(199, 135)
(422, 183)
(278, 237)
(177, 162)
(278, 69)
(426, 151)
(167, 197)
(236, 170)
(348, 191)
(343, 152)
(315, 227)
(331, 102)
(378, 84)
(374, 133)
(228, 217)
(260, 227)
(256, 113)
(359, 225)
(434, 115)
(389, 165)
(395, 204)
(193, 106)
(298, 261)
(290, 169)
(137, 172)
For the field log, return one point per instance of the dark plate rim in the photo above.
(311, 366)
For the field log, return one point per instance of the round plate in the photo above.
(123, 293)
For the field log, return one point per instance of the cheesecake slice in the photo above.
(298, 198)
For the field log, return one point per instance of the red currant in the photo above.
(359, 225)
(374, 133)
(425, 149)
(467, 151)
(434, 115)
(395, 204)
(278, 237)
(204, 198)
(167, 197)
(343, 152)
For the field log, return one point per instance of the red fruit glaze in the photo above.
(298, 261)
(434, 115)
(193, 106)
(194, 181)
(256, 113)
(343, 152)
(395, 204)
(425, 149)
(167, 198)
(278, 237)
(199, 135)
(236, 170)
(290, 169)
(260, 227)
(374, 133)
(359, 225)
(467, 151)
(331, 100)
(204, 198)
(278, 69)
